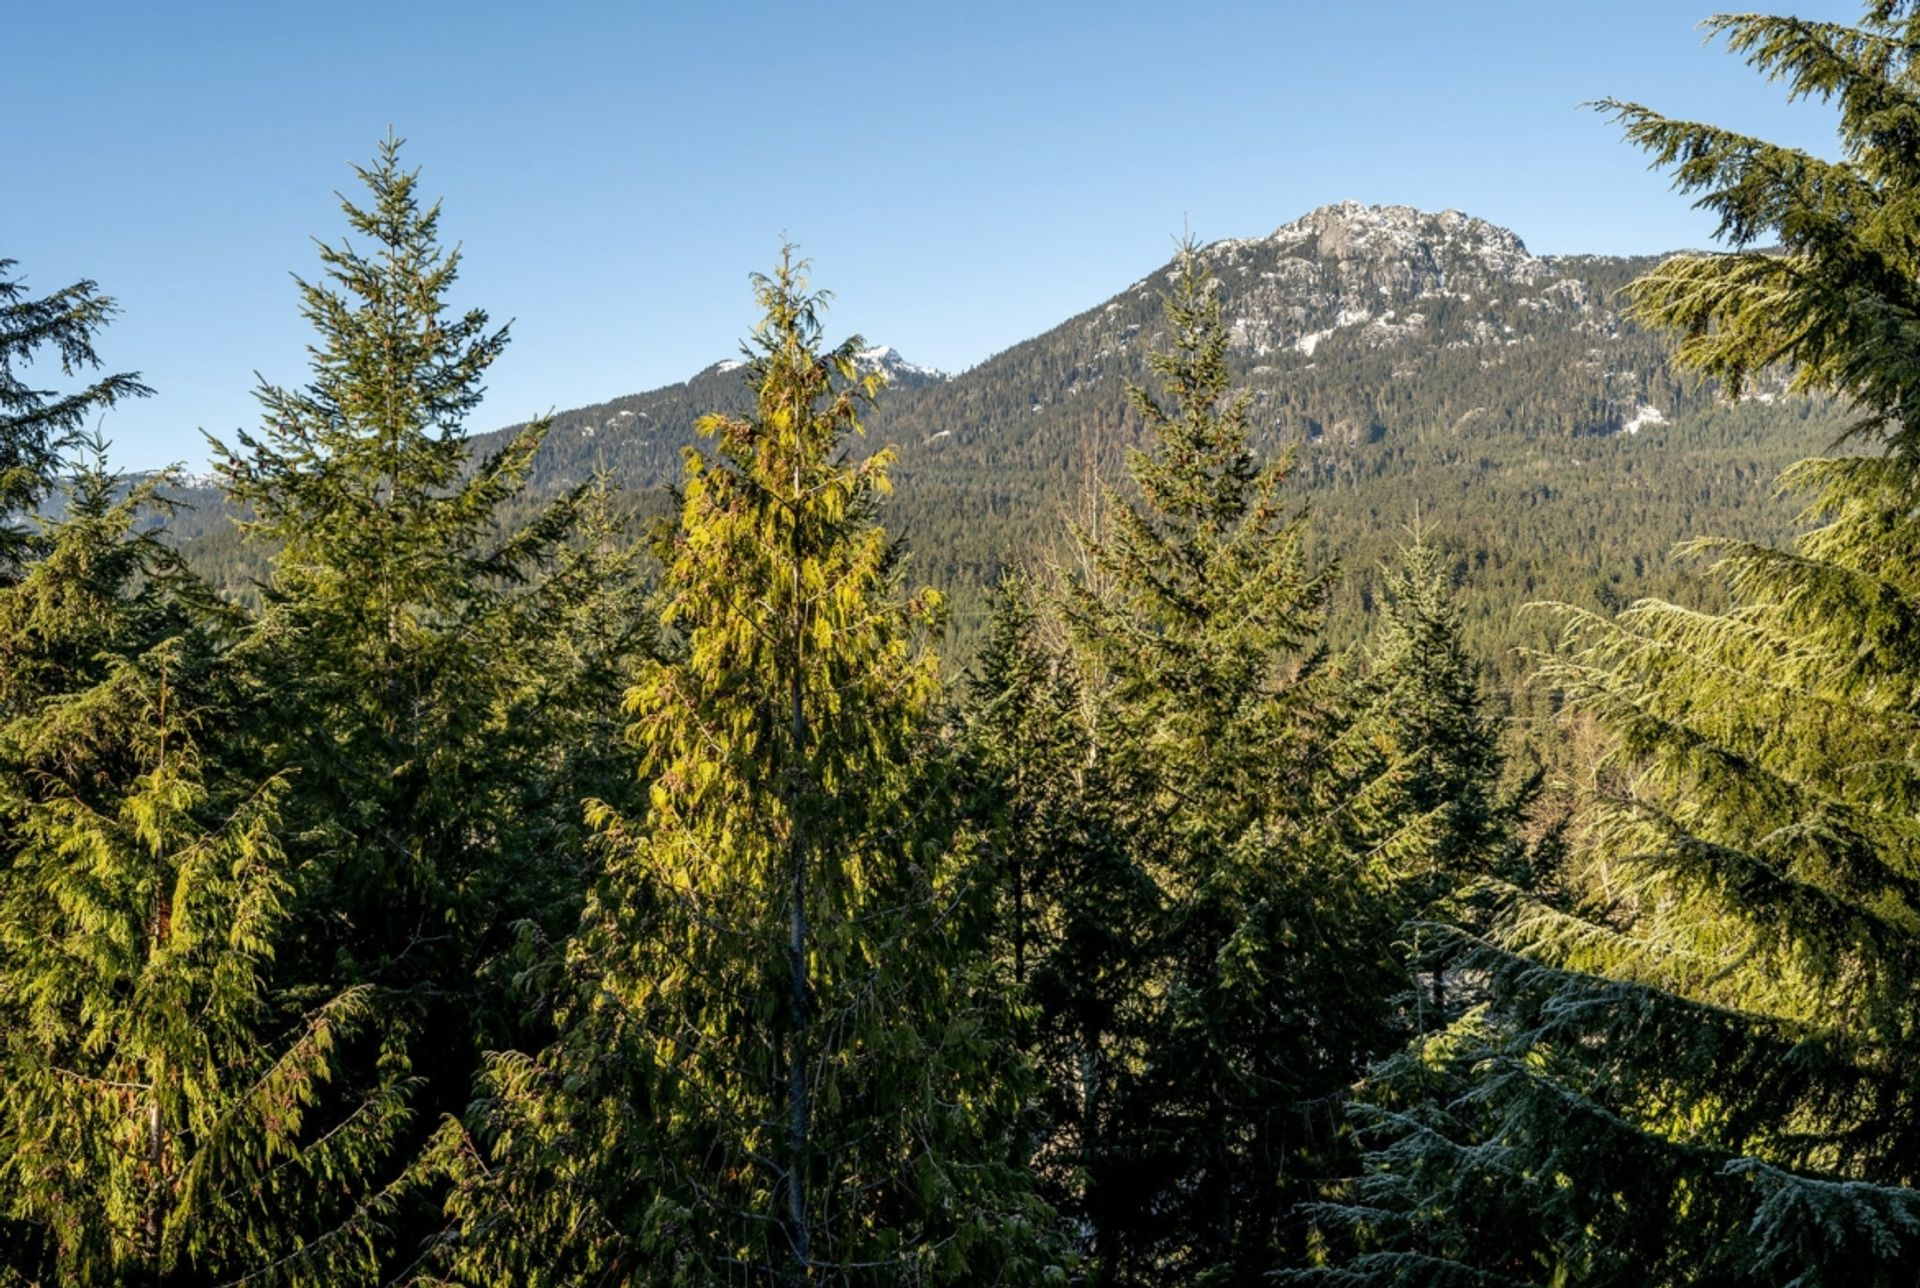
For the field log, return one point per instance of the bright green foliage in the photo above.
(783, 1060)
(100, 589)
(1836, 297)
(1234, 790)
(37, 425)
(439, 679)
(156, 1092)
(1696, 1065)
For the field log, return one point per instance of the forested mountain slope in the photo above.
(1420, 365)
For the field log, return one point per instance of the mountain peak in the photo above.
(883, 358)
(1376, 272)
(1432, 243)
(1347, 227)
(886, 359)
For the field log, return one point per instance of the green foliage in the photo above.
(1210, 925)
(780, 1058)
(439, 678)
(1691, 1061)
(433, 668)
(158, 1120)
(1436, 737)
(831, 981)
(1073, 938)
(38, 425)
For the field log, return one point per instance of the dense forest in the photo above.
(1418, 366)
(434, 862)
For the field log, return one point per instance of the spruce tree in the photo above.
(1238, 790)
(1433, 726)
(782, 1059)
(38, 425)
(435, 669)
(157, 1092)
(1694, 1065)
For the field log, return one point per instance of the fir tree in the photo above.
(439, 672)
(38, 425)
(1237, 791)
(1695, 1065)
(157, 1123)
(1455, 823)
(783, 1060)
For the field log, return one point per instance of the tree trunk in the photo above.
(799, 1235)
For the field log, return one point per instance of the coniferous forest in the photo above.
(422, 876)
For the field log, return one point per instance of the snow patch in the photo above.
(884, 357)
(1643, 415)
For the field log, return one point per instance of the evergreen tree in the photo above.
(440, 676)
(783, 1059)
(1433, 726)
(157, 1094)
(37, 425)
(1694, 1066)
(1237, 790)
(1076, 912)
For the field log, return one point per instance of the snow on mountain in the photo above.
(885, 358)
(1381, 274)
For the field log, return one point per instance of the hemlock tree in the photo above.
(784, 1059)
(1239, 793)
(439, 674)
(37, 425)
(157, 1120)
(1698, 1067)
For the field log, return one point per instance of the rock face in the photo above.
(1382, 275)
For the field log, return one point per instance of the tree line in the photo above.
(493, 897)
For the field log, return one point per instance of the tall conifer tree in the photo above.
(1696, 1066)
(1236, 789)
(1434, 729)
(784, 1061)
(437, 668)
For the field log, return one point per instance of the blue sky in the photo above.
(963, 175)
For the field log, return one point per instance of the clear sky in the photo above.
(963, 174)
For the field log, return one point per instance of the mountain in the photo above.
(1418, 364)
(1352, 325)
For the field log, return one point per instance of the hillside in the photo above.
(1417, 363)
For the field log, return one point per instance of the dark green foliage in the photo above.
(438, 678)
(349, 933)
(1437, 739)
(1077, 910)
(1193, 824)
(38, 425)
(433, 669)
